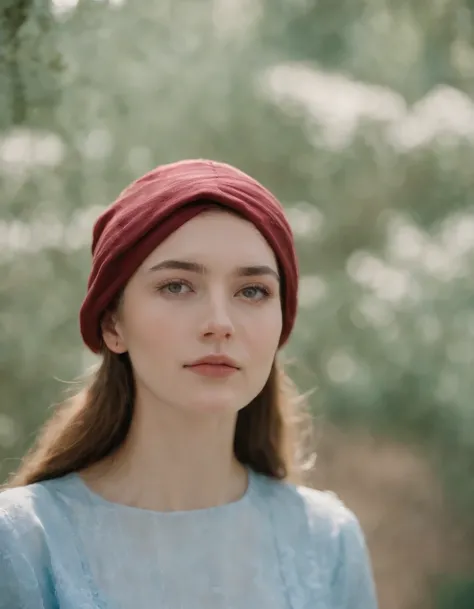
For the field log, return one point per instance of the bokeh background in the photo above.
(359, 115)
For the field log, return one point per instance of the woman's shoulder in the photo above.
(20, 500)
(321, 511)
(27, 509)
(19, 519)
(320, 543)
(29, 526)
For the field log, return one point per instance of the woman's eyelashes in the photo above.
(254, 292)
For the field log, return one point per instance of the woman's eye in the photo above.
(255, 292)
(174, 287)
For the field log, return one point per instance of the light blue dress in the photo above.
(278, 547)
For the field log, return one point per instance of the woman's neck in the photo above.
(172, 461)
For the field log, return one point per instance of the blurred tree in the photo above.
(29, 62)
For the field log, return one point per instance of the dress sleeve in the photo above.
(353, 584)
(23, 579)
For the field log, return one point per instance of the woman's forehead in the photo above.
(215, 238)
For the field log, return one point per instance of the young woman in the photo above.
(167, 483)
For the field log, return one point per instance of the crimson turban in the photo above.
(156, 205)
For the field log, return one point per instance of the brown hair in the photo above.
(94, 423)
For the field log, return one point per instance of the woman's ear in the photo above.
(111, 333)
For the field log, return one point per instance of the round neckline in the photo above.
(97, 499)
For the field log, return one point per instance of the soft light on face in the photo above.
(211, 288)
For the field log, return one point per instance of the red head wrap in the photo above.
(157, 204)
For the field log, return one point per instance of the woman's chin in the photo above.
(208, 404)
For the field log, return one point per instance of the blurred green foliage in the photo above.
(358, 114)
(455, 593)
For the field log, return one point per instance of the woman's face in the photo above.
(210, 289)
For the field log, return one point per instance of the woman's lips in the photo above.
(212, 370)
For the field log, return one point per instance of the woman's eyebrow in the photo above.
(195, 267)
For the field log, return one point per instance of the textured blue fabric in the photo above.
(279, 547)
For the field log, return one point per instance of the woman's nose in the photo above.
(218, 323)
